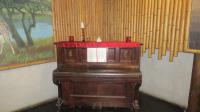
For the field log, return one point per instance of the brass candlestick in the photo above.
(83, 31)
(83, 34)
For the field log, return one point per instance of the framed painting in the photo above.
(26, 35)
(193, 44)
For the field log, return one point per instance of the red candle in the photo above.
(71, 38)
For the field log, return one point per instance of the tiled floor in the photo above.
(148, 104)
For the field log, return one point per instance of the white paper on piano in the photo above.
(96, 55)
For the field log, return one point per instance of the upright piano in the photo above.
(113, 83)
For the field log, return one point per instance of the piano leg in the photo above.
(133, 96)
(59, 104)
(136, 106)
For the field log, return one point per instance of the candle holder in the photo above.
(83, 31)
(71, 38)
(83, 34)
(128, 39)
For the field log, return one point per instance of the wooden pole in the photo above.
(187, 23)
(148, 24)
(161, 30)
(194, 99)
(140, 21)
(151, 28)
(158, 23)
(154, 26)
(170, 24)
(182, 25)
(145, 25)
(164, 45)
(66, 20)
(54, 21)
(173, 30)
(135, 19)
(178, 29)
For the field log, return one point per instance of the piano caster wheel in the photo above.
(79, 107)
(135, 106)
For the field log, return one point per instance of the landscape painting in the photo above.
(194, 39)
(26, 35)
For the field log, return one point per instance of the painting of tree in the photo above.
(25, 32)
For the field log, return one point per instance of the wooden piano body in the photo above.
(114, 83)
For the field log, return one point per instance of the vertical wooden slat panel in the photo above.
(170, 24)
(125, 19)
(87, 8)
(56, 18)
(178, 21)
(155, 18)
(62, 26)
(75, 15)
(53, 19)
(142, 24)
(111, 32)
(71, 18)
(79, 19)
(187, 23)
(123, 14)
(161, 30)
(173, 30)
(135, 20)
(106, 19)
(65, 17)
(148, 23)
(129, 17)
(183, 12)
(114, 8)
(158, 24)
(166, 21)
(151, 28)
(145, 25)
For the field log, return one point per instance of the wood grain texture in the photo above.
(114, 83)
(194, 100)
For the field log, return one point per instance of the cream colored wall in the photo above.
(27, 86)
(23, 87)
(168, 81)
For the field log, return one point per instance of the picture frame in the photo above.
(26, 33)
(192, 43)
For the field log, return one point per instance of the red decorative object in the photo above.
(71, 38)
(98, 44)
(128, 39)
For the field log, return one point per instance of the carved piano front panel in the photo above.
(114, 83)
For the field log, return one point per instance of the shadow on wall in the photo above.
(169, 81)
